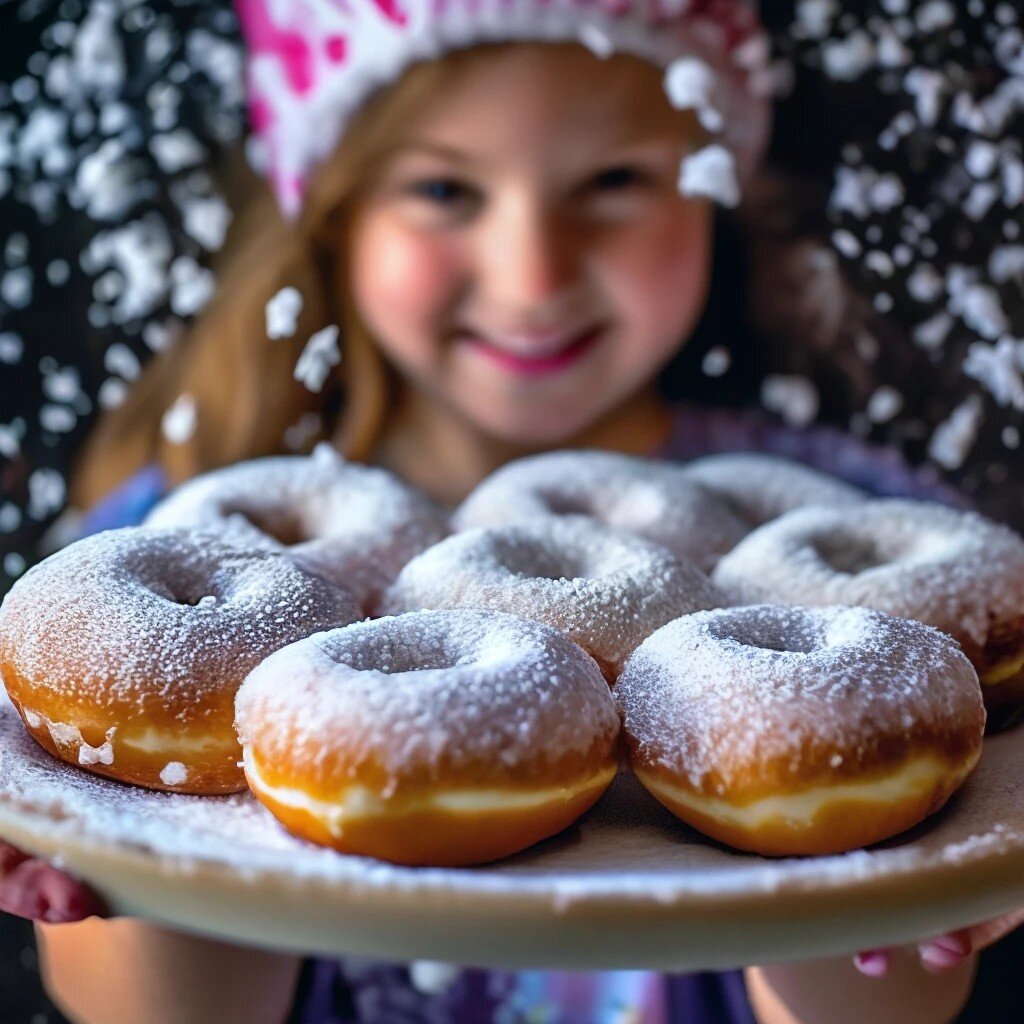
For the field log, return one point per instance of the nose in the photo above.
(531, 258)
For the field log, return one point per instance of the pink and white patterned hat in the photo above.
(312, 63)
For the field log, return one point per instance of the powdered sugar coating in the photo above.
(356, 525)
(951, 569)
(604, 588)
(141, 619)
(759, 488)
(430, 692)
(651, 498)
(712, 694)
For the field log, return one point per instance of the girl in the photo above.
(515, 240)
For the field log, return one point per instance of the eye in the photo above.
(439, 191)
(617, 179)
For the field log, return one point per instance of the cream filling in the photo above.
(67, 737)
(1003, 671)
(359, 801)
(151, 740)
(799, 810)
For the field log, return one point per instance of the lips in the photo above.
(537, 354)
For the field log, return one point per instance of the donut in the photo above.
(951, 569)
(441, 738)
(652, 499)
(603, 588)
(355, 525)
(790, 731)
(758, 488)
(123, 651)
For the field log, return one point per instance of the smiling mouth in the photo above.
(526, 364)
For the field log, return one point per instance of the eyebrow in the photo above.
(457, 156)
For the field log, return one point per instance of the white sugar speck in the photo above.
(14, 564)
(282, 313)
(192, 286)
(120, 359)
(113, 391)
(16, 287)
(318, 357)
(10, 438)
(716, 361)
(430, 977)
(710, 172)
(174, 773)
(595, 39)
(176, 150)
(46, 493)
(689, 84)
(934, 15)
(57, 419)
(11, 348)
(953, 438)
(885, 404)
(179, 422)
(794, 398)
(999, 367)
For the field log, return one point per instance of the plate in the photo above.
(627, 887)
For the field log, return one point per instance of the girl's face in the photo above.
(525, 260)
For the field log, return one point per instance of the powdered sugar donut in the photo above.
(787, 730)
(604, 588)
(652, 499)
(759, 488)
(438, 737)
(355, 525)
(123, 652)
(951, 569)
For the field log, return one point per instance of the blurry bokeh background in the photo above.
(874, 278)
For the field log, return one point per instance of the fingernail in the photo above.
(945, 953)
(874, 964)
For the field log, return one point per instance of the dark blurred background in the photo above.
(873, 280)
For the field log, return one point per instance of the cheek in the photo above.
(402, 285)
(661, 277)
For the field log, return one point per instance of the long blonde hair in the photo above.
(242, 384)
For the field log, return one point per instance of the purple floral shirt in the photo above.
(355, 991)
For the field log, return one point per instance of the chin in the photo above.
(539, 429)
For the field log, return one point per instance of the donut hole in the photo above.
(284, 525)
(190, 592)
(785, 630)
(776, 641)
(850, 554)
(560, 504)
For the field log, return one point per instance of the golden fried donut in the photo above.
(606, 589)
(355, 525)
(650, 498)
(123, 652)
(919, 560)
(434, 738)
(787, 730)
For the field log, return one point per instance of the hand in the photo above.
(33, 888)
(947, 952)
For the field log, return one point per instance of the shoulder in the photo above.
(881, 469)
(128, 504)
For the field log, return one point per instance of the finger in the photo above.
(67, 899)
(985, 934)
(10, 858)
(40, 892)
(873, 963)
(947, 952)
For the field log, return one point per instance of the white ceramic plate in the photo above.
(627, 887)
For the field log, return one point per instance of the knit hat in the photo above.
(313, 63)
